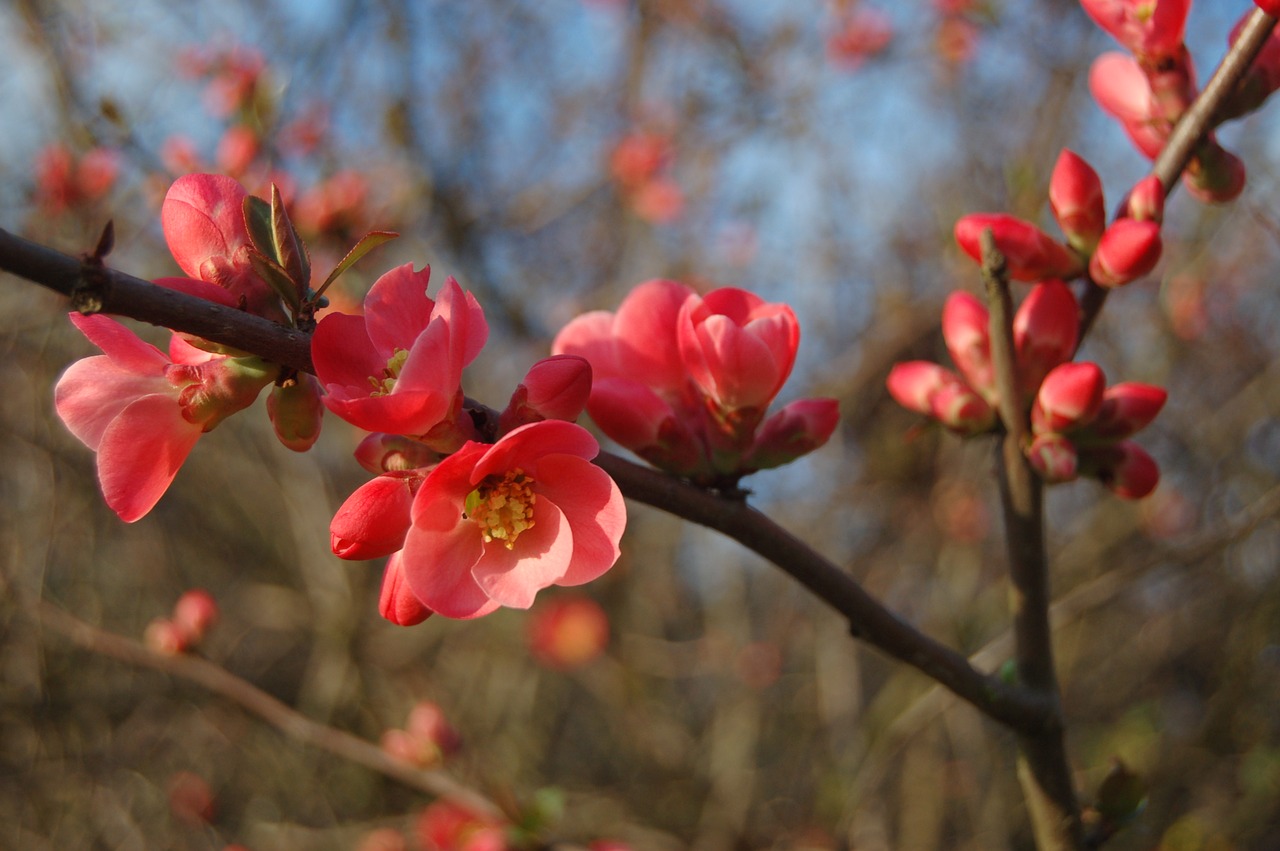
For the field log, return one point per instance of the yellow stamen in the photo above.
(383, 384)
(502, 506)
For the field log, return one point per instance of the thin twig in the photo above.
(1043, 768)
(287, 720)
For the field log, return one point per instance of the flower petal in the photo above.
(593, 506)
(140, 453)
(539, 557)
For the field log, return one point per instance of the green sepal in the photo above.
(367, 243)
(290, 250)
(1122, 795)
(276, 276)
(257, 220)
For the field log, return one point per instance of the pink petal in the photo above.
(203, 218)
(540, 556)
(140, 453)
(628, 412)
(125, 348)
(590, 336)
(644, 331)
(343, 354)
(468, 329)
(397, 308)
(93, 391)
(732, 366)
(594, 509)
(526, 445)
(439, 553)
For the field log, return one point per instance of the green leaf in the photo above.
(367, 243)
(1122, 795)
(257, 219)
(289, 247)
(275, 275)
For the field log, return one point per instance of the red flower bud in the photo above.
(194, 614)
(1126, 468)
(397, 602)
(1045, 331)
(1126, 409)
(796, 430)
(1146, 200)
(375, 518)
(1128, 250)
(1053, 457)
(555, 388)
(1075, 195)
(965, 330)
(1069, 398)
(1031, 254)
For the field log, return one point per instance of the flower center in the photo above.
(502, 507)
(383, 384)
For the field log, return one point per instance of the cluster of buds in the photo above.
(1078, 427)
(1045, 331)
(685, 381)
(1149, 88)
(1081, 427)
(426, 740)
(1112, 255)
(195, 613)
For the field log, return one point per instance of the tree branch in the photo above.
(869, 620)
(1043, 768)
(284, 718)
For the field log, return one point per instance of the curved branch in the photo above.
(249, 697)
(94, 288)
(869, 620)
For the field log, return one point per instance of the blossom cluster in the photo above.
(685, 381)
(474, 509)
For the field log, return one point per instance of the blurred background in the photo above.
(551, 154)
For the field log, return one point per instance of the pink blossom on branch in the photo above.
(142, 411)
(494, 524)
(685, 381)
(204, 227)
(397, 368)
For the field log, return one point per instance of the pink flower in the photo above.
(937, 392)
(494, 524)
(1151, 29)
(204, 227)
(397, 367)
(639, 157)
(738, 348)
(568, 631)
(448, 826)
(684, 381)
(142, 412)
(195, 613)
(63, 182)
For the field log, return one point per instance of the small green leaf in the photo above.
(1122, 795)
(289, 247)
(275, 275)
(1008, 673)
(257, 219)
(367, 243)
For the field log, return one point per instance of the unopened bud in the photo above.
(1146, 200)
(1075, 196)
(1069, 398)
(965, 330)
(1128, 250)
(1030, 253)
(1126, 409)
(555, 388)
(195, 614)
(1214, 175)
(1053, 457)
(1125, 468)
(397, 602)
(1046, 329)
